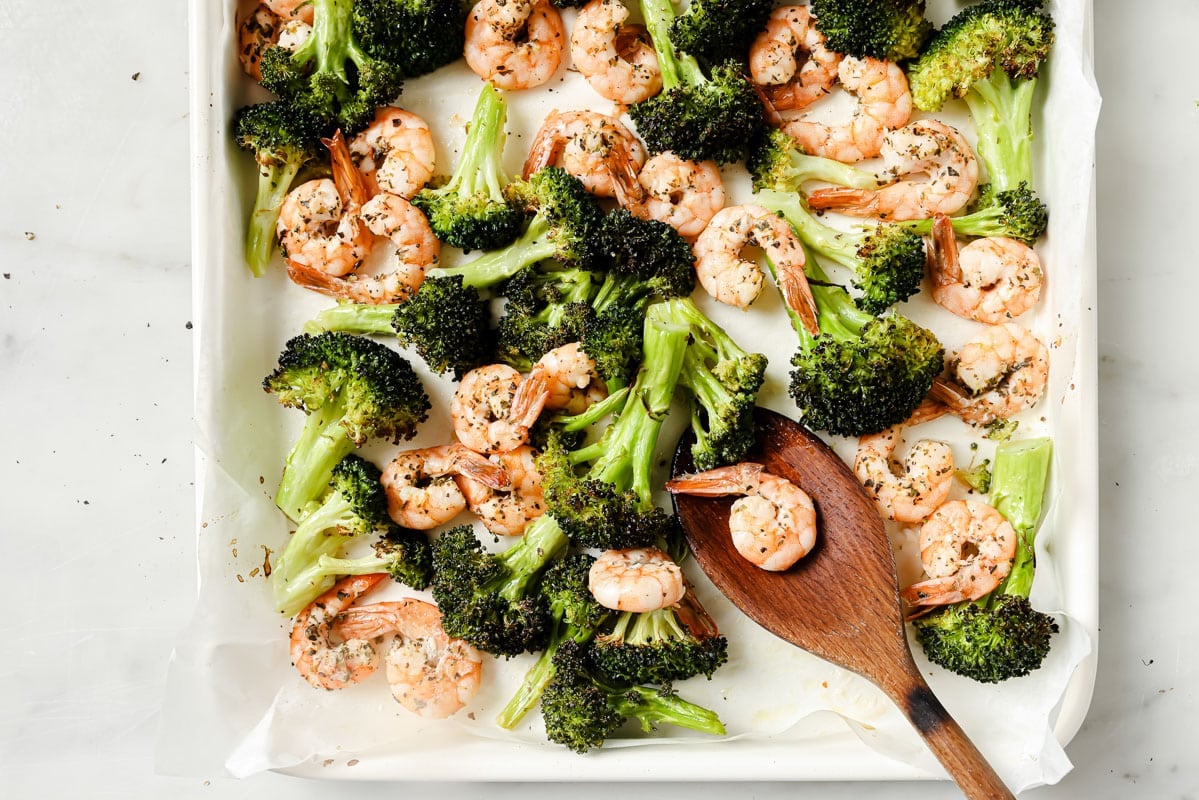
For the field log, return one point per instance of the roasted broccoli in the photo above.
(564, 226)
(1016, 213)
(582, 708)
(404, 554)
(574, 616)
(696, 116)
(545, 307)
(448, 324)
(1000, 636)
(330, 76)
(492, 601)
(719, 30)
(470, 210)
(352, 389)
(283, 140)
(418, 36)
(893, 30)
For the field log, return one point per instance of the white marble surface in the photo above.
(95, 372)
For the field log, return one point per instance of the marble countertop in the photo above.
(96, 461)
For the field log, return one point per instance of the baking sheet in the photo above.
(233, 702)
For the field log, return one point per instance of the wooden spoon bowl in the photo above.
(841, 601)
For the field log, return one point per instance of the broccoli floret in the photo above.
(613, 340)
(893, 30)
(990, 54)
(544, 308)
(564, 225)
(1016, 213)
(283, 140)
(719, 30)
(330, 76)
(610, 504)
(448, 324)
(645, 260)
(354, 506)
(490, 600)
(1001, 636)
(574, 617)
(977, 477)
(404, 554)
(582, 708)
(418, 36)
(470, 210)
(352, 389)
(696, 116)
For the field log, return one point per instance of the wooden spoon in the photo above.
(841, 601)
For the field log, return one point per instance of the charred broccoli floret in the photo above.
(893, 30)
(418, 36)
(719, 30)
(1016, 213)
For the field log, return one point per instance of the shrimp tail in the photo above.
(798, 295)
(471, 465)
(629, 191)
(861, 202)
(942, 250)
(740, 479)
(929, 409)
(934, 592)
(349, 181)
(546, 147)
(530, 398)
(949, 393)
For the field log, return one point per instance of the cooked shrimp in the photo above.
(683, 194)
(990, 280)
(637, 579)
(910, 491)
(263, 28)
(417, 247)
(320, 225)
(395, 153)
(571, 381)
(301, 10)
(884, 103)
(597, 149)
(322, 662)
(790, 60)
(505, 512)
(421, 494)
(494, 407)
(966, 548)
(515, 44)
(616, 57)
(737, 281)
(429, 673)
(773, 523)
(938, 175)
(996, 375)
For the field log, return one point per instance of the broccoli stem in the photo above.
(354, 318)
(612, 404)
(331, 42)
(677, 68)
(480, 169)
(274, 181)
(310, 463)
(543, 542)
(838, 246)
(837, 314)
(1002, 112)
(499, 265)
(1017, 491)
(540, 674)
(650, 706)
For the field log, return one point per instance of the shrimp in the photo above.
(884, 103)
(597, 149)
(616, 57)
(321, 662)
(320, 224)
(787, 81)
(967, 548)
(264, 28)
(494, 407)
(773, 523)
(572, 383)
(506, 512)
(938, 170)
(735, 280)
(637, 579)
(683, 194)
(922, 486)
(395, 153)
(996, 375)
(301, 10)
(990, 280)
(421, 494)
(430, 674)
(515, 44)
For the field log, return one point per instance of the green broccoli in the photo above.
(574, 617)
(564, 223)
(719, 30)
(545, 307)
(696, 116)
(492, 601)
(404, 554)
(582, 707)
(1000, 636)
(448, 324)
(352, 389)
(283, 140)
(1016, 213)
(330, 76)
(418, 36)
(893, 30)
(857, 374)
(470, 210)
